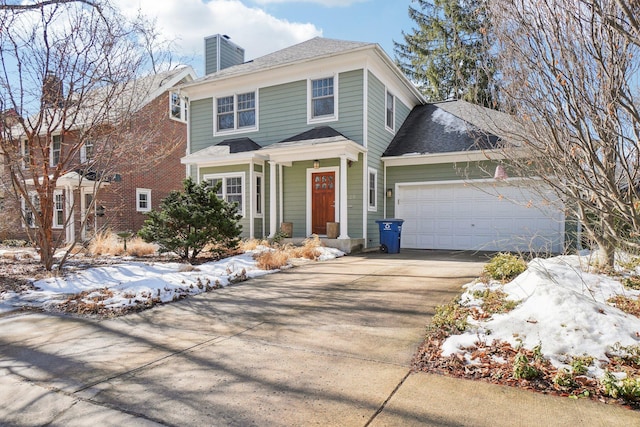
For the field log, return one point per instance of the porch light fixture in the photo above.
(316, 164)
(500, 174)
(389, 192)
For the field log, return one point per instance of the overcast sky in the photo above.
(263, 26)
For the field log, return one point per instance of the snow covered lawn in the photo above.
(131, 285)
(562, 313)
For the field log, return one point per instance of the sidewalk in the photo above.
(322, 344)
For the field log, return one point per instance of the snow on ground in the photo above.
(563, 309)
(131, 283)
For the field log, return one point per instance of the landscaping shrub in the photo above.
(505, 267)
(189, 220)
(108, 243)
(272, 260)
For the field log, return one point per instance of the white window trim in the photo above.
(24, 147)
(56, 224)
(224, 177)
(83, 152)
(259, 208)
(24, 210)
(235, 129)
(322, 119)
(140, 191)
(184, 107)
(395, 101)
(51, 157)
(372, 207)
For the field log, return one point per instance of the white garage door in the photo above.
(486, 216)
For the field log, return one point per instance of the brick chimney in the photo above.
(52, 91)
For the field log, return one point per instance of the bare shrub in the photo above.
(139, 248)
(272, 260)
(308, 250)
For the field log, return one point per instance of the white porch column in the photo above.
(252, 189)
(273, 208)
(344, 216)
(70, 214)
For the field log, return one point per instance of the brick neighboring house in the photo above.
(118, 198)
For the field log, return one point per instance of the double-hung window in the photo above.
(86, 151)
(56, 148)
(235, 112)
(58, 209)
(322, 102)
(390, 112)
(231, 188)
(26, 158)
(372, 188)
(178, 106)
(258, 195)
(143, 199)
(29, 214)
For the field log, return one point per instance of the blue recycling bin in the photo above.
(390, 231)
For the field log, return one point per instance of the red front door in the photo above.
(323, 201)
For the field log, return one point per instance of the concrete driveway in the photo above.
(325, 343)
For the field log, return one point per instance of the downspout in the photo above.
(384, 187)
(365, 157)
(281, 191)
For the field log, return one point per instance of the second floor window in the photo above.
(236, 112)
(390, 112)
(322, 98)
(178, 106)
(86, 152)
(56, 147)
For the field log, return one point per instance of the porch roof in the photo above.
(73, 179)
(318, 143)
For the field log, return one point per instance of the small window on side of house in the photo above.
(372, 187)
(26, 157)
(258, 200)
(29, 214)
(143, 199)
(178, 106)
(56, 149)
(390, 112)
(87, 151)
(58, 209)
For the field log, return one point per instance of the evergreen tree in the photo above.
(187, 221)
(449, 55)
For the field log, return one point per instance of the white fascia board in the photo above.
(314, 151)
(231, 159)
(432, 159)
(395, 79)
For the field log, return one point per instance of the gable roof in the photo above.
(315, 48)
(445, 127)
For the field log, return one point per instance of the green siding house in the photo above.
(327, 136)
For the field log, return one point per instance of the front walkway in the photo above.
(322, 344)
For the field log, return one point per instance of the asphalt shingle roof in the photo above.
(239, 145)
(315, 133)
(444, 128)
(311, 49)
